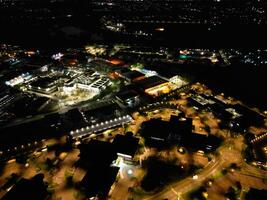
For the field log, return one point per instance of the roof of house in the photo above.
(125, 144)
(96, 153)
(155, 128)
(98, 181)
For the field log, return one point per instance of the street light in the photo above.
(130, 172)
(195, 177)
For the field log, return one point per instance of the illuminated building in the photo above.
(129, 98)
(19, 80)
(154, 86)
(163, 88)
(131, 76)
(44, 85)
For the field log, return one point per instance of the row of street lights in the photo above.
(109, 123)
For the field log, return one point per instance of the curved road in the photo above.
(173, 191)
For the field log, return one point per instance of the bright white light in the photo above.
(130, 172)
(44, 150)
(195, 177)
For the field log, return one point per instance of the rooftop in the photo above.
(125, 144)
(44, 82)
(98, 181)
(96, 153)
(127, 94)
(150, 82)
(133, 75)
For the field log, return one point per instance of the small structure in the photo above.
(125, 145)
(96, 153)
(129, 98)
(197, 142)
(98, 181)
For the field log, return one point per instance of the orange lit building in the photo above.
(163, 88)
(131, 76)
(154, 86)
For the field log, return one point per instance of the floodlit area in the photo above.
(101, 125)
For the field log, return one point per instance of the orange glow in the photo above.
(73, 62)
(116, 61)
(30, 53)
(159, 89)
(139, 78)
(113, 75)
(160, 29)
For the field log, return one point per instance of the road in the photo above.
(253, 171)
(174, 190)
(228, 154)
